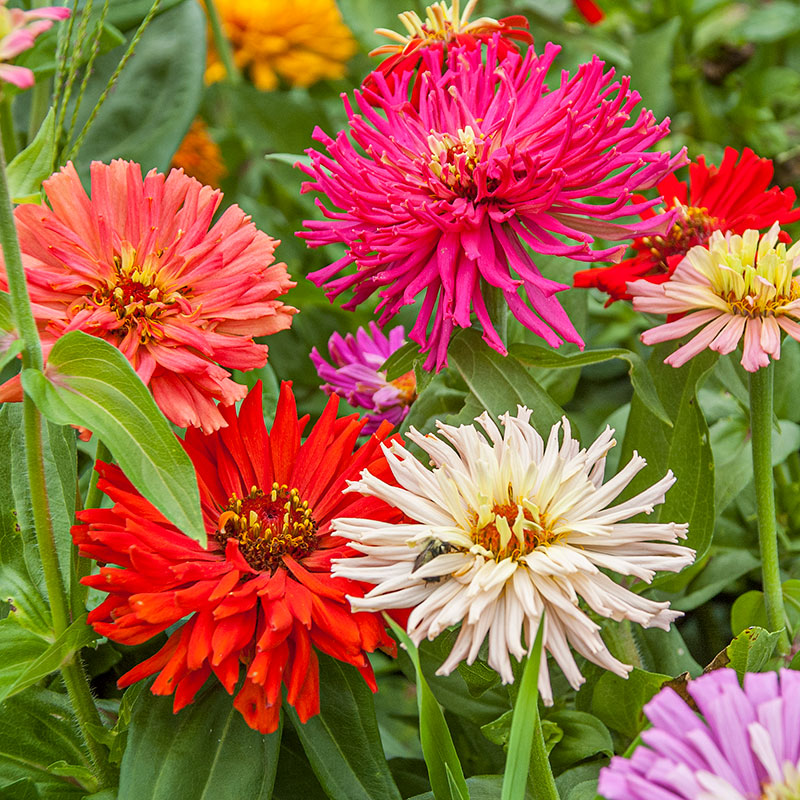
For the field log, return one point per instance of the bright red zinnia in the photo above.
(260, 597)
(141, 265)
(732, 197)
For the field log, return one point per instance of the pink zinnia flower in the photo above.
(747, 748)
(137, 265)
(735, 286)
(443, 198)
(356, 374)
(18, 30)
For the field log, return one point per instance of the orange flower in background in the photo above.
(141, 265)
(259, 601)
(273, 40)
(199, 156)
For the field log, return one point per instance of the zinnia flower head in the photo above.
(504, 528)
(283, 40)
(259, 599)
(199, 156)
(732, 197)
(443, 199)
(738, 286)
(18, 31)
(141, 265)
(356, 374)
(444, 27)
(746, 748)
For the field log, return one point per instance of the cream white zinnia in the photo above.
(502, 529)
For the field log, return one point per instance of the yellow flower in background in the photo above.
(199, 156)
(298, 42)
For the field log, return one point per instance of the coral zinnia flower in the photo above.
(18, 31)
(272, 40)
(199, 156)
(442, 199)
(356, 376)
(737, 286)
(137, 265)
(444, 26)
(747, 748)
(502, 530)
(732, 197)
(260, 594)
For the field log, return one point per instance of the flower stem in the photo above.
(9, 137)
(761, 411)
(74, 676)
(221, 43)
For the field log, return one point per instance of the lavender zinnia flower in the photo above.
(356, 374)
(445, 197)
(748, 747)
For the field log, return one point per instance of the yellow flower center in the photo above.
(692, 227)
(407, 386)
(269, 526)
(454, 158)
(788, 789)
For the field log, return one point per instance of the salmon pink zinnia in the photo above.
(259, 600)
(138, 265)
(443, 198)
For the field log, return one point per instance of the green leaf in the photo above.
(500, 383)
(752, 649)
(684, 448)
(524, 723)
(584, 736)
(342, 742)
(60, 652)
(649, 47)
(618, 702)
(748, 609)
(156, 97)
(89, 382)
(35, 163)
(19, 648)
(481, 787)
(23, 789)
(640, 377)
(401, 361)
(437, 743)
(205, 752)
(723, 568)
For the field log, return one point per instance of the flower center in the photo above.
(693, 226)
(406, 385)
(511, 530)
(454, 158)
(788, 789)
(269, 526)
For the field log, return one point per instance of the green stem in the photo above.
(761, 412)
(221, 43)
(95, 495)
(9, 137)
(541, 783)
(74, 677)
(498, 310)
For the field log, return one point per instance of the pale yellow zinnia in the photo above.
(273, 40)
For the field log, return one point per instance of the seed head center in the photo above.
(512, 529)
(269, 526)
(692, 226)
(454, 159)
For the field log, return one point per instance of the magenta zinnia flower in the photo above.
(18, 31)
(138, 265)
(444, 198)
(748, 747)
(356, 374)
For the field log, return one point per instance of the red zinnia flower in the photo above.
(137, 265)
(732, 197)
(260, 594)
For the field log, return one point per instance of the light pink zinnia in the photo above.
(734, 286)
(18, 30)
(443, 198)
(138, 266)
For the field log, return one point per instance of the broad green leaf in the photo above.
(295, 778)
(401, 361)
(724, 566)
(35, 163)
(500, 383)
(60, 652)
(38, 728)
(205, 752)
(685, 449)
(23, 789)
(618, 702)
(651, 47)
(437, 743)
(584, 736)
(752, 649)
(524, 723)
(89, 382)
(481, 787)
(640, 377)
(19, 648)
(572, 778)
(438, 401)
(127, 14)
(668, 650)
(342, 742)
(156, 97)
(749, 611)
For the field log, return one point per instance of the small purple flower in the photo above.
(748, 747)
(356, 374)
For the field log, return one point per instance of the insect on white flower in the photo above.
(503, 528)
